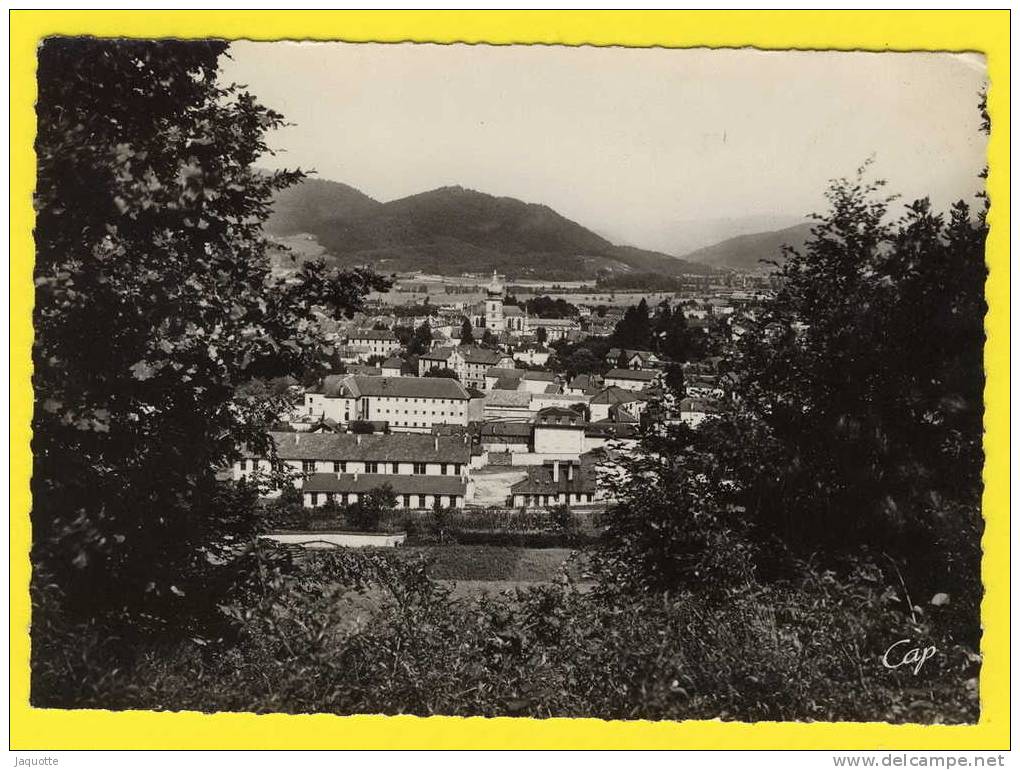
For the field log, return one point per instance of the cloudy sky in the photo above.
(665, 149)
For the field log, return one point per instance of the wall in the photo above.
(411, 413)
(559, 441)
(323, 540)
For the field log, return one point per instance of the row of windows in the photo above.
(340, 466)
(581, 497)
(423, 412)
(395, 399)
(409, 501)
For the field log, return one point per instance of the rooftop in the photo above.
(409, 387)
(508, 398)
(540, 481)
(617, 395)
(373, 447)
(631, 374)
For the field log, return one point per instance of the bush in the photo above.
(801, 650)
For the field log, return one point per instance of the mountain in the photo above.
(453, 230)
(745, 252)
(307, 206)
(685, 235)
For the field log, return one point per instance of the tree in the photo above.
(489, 339)
(675, 380)
(367, 512)
(541, 335)
(442, 371)
(669, 529)
(154, 303)
(675, 342)
(863, 382)
(634, 330)
(421, 341)
(547, 307)
(467, 336)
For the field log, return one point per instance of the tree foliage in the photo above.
(547, 307)
(634, 330)
(866, 373)
(154, 303)
(421, 340)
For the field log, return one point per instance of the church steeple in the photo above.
(494, 305)
(495, 287)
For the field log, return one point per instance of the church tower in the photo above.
(494, 305)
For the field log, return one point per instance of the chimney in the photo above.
(357, 439)
(570, 471)
(435, 443)
(297, 439)
(355, 477)
(556, 471)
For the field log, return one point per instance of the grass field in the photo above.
(468, 562)
(473, 570)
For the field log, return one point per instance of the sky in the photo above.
(664, 149)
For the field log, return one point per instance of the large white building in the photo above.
(405, 404)
(342, 467)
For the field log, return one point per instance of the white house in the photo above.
(532, 355)
(631, 379)
(468, 362)
(555, 483)
(392, 367)
(559, 431)
(555, 328)
(602, 403)
(373, 342)
(539, 382)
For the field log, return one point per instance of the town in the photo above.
(480, 393)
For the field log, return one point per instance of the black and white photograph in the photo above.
(521, 380)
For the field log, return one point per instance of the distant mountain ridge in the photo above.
(307, 206)
(452, 230)
(746, 252)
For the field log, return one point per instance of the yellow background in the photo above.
(984, 31)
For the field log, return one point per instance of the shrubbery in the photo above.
(327, 632)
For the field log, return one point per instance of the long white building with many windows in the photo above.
(405, 404)
(342, 467)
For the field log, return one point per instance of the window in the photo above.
(396, 467)
(456, 468)
(371, 467)
(443, 469)
(418, 502)
(419, 469)
(340, 466)
(308, 466)
(407, 501)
